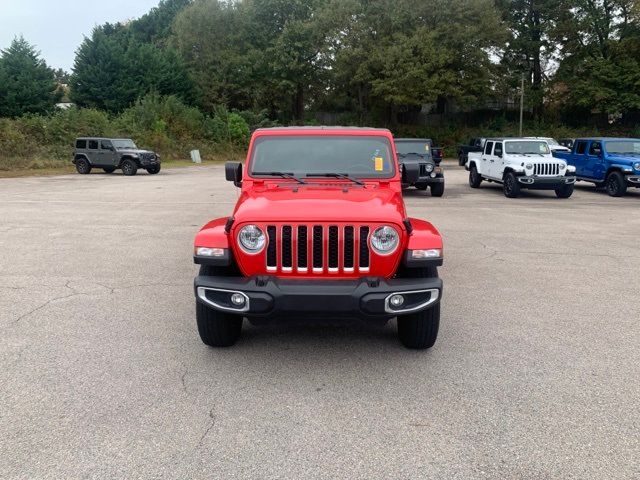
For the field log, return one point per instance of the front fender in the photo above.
(624, 168)
(213, 235)
(424, 236)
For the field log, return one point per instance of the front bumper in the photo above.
(366, 298)
(545, 183)
(149, 162)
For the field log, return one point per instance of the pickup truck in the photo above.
(320, 230)
(612, 163)
(421, 152)
(519, 163)
(474, 145)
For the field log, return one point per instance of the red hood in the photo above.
(318, 203)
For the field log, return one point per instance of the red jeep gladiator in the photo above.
(320, 230)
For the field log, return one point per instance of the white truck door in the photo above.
(486, 159)
(496, 164)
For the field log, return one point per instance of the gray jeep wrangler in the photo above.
(112, 153)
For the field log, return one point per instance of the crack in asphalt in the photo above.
(206, 432)
(40, 307)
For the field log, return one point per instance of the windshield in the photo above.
(404, 148)
(628, 147)
(552, 141)
(356, 156)
(124, 144)
(526, 147)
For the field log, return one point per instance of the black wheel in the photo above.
(565, 191)
(474, 177)
(153, 170)
(421, 186)
(129, 168)
(217, 329)
(510, 186)
(83, 166)
(616, 184)
(461, 160)
(109, 169)
(420, 330)
(437, 189)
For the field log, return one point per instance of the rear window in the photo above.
(487, 148)
(581, 147)
(93, 144)
(300, 155)
(407, 148)
(81, 144)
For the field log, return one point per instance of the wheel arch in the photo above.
(78, 156)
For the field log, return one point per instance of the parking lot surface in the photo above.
(102, 374)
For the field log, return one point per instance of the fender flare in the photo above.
(424, 236)
(616, 167)
(81, 155)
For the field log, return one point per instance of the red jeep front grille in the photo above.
(317, 248)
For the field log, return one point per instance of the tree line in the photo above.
(371, 60)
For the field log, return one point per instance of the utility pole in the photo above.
(521, 100)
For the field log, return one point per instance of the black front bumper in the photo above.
(366, 298)
(545, 183)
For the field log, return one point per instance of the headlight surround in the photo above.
(251, 239)
(385, 240)
(636, 166)
(529, 166)
(429, 167)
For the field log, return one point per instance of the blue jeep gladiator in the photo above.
(612, 163)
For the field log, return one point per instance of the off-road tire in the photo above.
(565, 191)
(419, 330)
(461, 160)
(109, 169)
(153, 170)
(510, 186)
(437, 189)
(216, 329)
(616, 184)
(474, 177)
(83, 166)
(129, 168)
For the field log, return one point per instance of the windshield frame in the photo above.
(631, 141)
(250, 172)
(509, 142)
(115, 142)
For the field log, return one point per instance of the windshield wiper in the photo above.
(336, 175)
(290, 176)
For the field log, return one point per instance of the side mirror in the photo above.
(233, 173)
(410, 172)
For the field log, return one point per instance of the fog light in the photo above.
(433, 174)
(396, 300)
(238, 299)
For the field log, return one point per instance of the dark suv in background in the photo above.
(111, 154)
(421, 151)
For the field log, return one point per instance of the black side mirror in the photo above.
(233, 173)
(410, 172)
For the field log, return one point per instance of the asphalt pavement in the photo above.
(535, 374)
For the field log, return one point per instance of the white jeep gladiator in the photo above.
(519, 163)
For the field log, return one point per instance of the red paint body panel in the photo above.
(325, 202)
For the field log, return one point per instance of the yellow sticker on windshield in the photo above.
(379, 164)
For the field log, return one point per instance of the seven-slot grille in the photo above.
(546, 169)
(318, 248)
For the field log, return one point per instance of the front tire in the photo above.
(83, 166)
(616, 184)
(129, 168)
(511, 187)
(565, 191)
(474, 177)
(437, 189)
(153, 170)
(217, 329)
(419, 330)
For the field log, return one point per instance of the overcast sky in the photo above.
(57, 27)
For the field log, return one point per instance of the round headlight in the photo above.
(385, 240)
(429, 167)
(251, 239)
(529, 166)
(562, 166)
(636, 166)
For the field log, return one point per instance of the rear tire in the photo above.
(217, 329)
(437, 189)
(129, 168)
(616, 184)
(474, 177)
(83, 166)
(461, 160)
(109, 169)
(511, 187)
(565, 191)
(419, 330)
